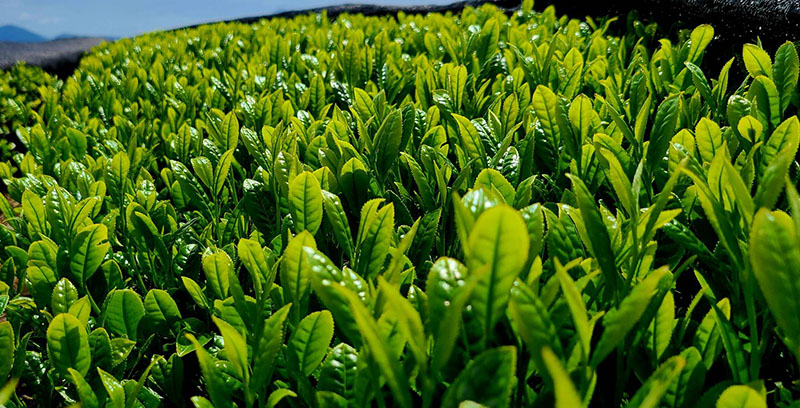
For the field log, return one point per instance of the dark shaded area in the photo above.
(735, 21)
(375, 10)
(58, 57)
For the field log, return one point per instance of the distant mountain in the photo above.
(66, 36)
(18, 34)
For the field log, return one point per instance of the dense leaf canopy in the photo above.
(472, 209)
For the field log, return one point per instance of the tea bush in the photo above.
(19, 97)
(460, 210)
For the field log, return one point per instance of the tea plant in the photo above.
(21, 90)
(476, 209)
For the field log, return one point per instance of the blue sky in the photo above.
(119, 18)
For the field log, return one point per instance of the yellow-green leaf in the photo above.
(498, 241)
(756, 60)
(305, 197)
(68, 345)
(775, 257)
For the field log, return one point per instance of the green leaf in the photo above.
(201, 402)
(195, 292)
(216, 387)
(229, 133)
(351, 62)
(87, 251)
(707, 337)
(276, 396)
(490, 179)
(577, 308)
(620, 182)
(662, 326)
(68, 345)
(132, 392)
(235, 349)
(499, 242)
(534, 221)
(116, 393)
(408, 318)
(687, 386)
(620, 122)
(353, 181)
(566, 394)
(531, 321)
(100, 348)
(740, 396)
(701, 83)
(391, 369)
(363, 104)
(221, 171)
(59, 207)
(770, 185)
(598, 236)
(654, 389)
(620, 320)
(254, 258)
(217, 266)
(499, 364)
(393, 273)
(750, 128)
(470, 140)
(785, 137)
(309, 342)
(387, 141)
(81, 309)
(305, 197)
(328, 399)
(118, 172)
(162, 310)
(775, 257)
(663, 130)
(123, 311)
(448, 291)
(42, 282)
(715, 214)
(374, 245)
(765, 95)
(6, 349)
(63, 296)
(7, 390)
(709, 139)
(325, 276)
(421, 180)
(641, 121)
(338, 220)
(698, 41)
(583, 118)
(34, 212)
(544, 104)
(266, 349)
(456, 82)
(295, 272)
(756, 60)
(204, 171)
(573, 63)
(338, 372)
(87, 396)
(730, 340)
(785, 72)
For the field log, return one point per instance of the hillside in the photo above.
(12, 33)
